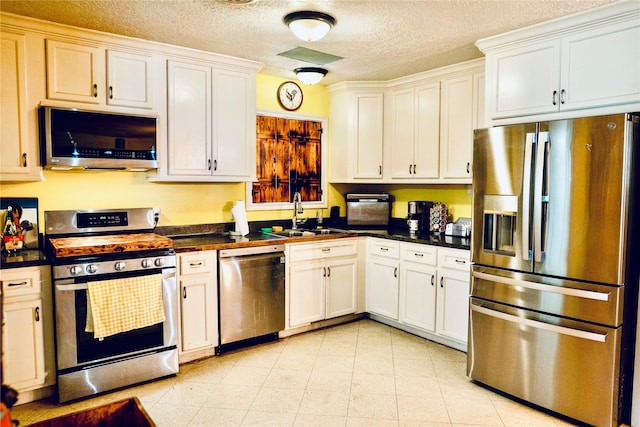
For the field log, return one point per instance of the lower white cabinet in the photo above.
(321, 280)
(197, 279)
(27, 331)
(420, 286)
(382, 277)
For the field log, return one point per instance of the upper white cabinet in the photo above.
(83, 72)
(356, 132)
(415, 131)
(211, 123)
(18, 144)
(558, 69)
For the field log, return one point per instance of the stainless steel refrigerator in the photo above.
(554, 287)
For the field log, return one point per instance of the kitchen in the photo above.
(93, 193)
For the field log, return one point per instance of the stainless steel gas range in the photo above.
(115, 300)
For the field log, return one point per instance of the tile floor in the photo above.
(358, 374)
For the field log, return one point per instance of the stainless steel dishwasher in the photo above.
(251, 302)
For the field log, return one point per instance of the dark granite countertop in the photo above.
(23, 258)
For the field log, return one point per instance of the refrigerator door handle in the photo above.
(592, 336)
(526, 195)
(538, 189)
(580, 293)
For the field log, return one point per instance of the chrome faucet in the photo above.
(297, 209)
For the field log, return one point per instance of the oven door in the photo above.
(77, 348)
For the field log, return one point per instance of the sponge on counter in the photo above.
(277, 228)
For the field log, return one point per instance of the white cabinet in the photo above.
(415, 133)
(197, 279)
(430, 121)
(321, 280)
(418, 286)
(453, 294)
(18, 144)
(583, 61)
(382, 276)
(211, 123)
(27, 329)
(356, 132)
(88, 73)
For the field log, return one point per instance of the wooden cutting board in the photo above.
(94, 245)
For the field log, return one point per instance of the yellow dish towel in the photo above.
(120, 305)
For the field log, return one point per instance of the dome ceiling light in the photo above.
(309, 25)
(310, 75)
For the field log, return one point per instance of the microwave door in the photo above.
(503, 162)
(580, 199)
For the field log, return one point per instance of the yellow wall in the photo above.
(191, 203)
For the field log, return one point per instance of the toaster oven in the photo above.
(368, 209)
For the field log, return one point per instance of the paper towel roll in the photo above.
(240, 216)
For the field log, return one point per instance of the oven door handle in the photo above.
(167, 274)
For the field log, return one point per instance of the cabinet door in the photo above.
(427, 131)
(525, 80)
(368, 136)
(340, 287)
(402, 133)
(382, 287)
(199, 329)
(456, 130)
(75, 72)
(23, 344)
(17, 150)
(601, 67)
(234, 133)
(189, 116)
(453, 304)
(129, 80)
(306, 293)
(418, 296)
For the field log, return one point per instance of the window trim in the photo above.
(323, 203)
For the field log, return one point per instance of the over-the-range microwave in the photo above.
(77, 139)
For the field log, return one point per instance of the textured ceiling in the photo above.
(379, 39)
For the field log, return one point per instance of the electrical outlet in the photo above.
(156, 215)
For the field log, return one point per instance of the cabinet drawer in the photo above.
(320, 250)
(20, 281)
(457, 259)
(384, 248)
(422, 254)
(197, 262)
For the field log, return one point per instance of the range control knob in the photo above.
(120, 266)
(146, 263)
(75, 270)
(92, 268)
(159, 262)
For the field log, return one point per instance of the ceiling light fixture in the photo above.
(310, 75)
(309, 25)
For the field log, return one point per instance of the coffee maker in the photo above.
(418, 217)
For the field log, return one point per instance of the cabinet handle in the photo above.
(555, 97)
(395, 272)
(380, 170)
(18, 284)
(195, 264)
(215, 165)
(324, 271)
(209, 164)
(328, 271)
(410, 169)
(562, 96)
(461, 261)
(419, 255)
(326, 250)
(24, 160)
(441, 282)
(414, 169)
(37, 314)
(184, 293)
(110, 92)
(384, 249)
(433, 279)
(468, 167)
(95, 90)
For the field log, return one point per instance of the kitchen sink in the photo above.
(306, 233)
